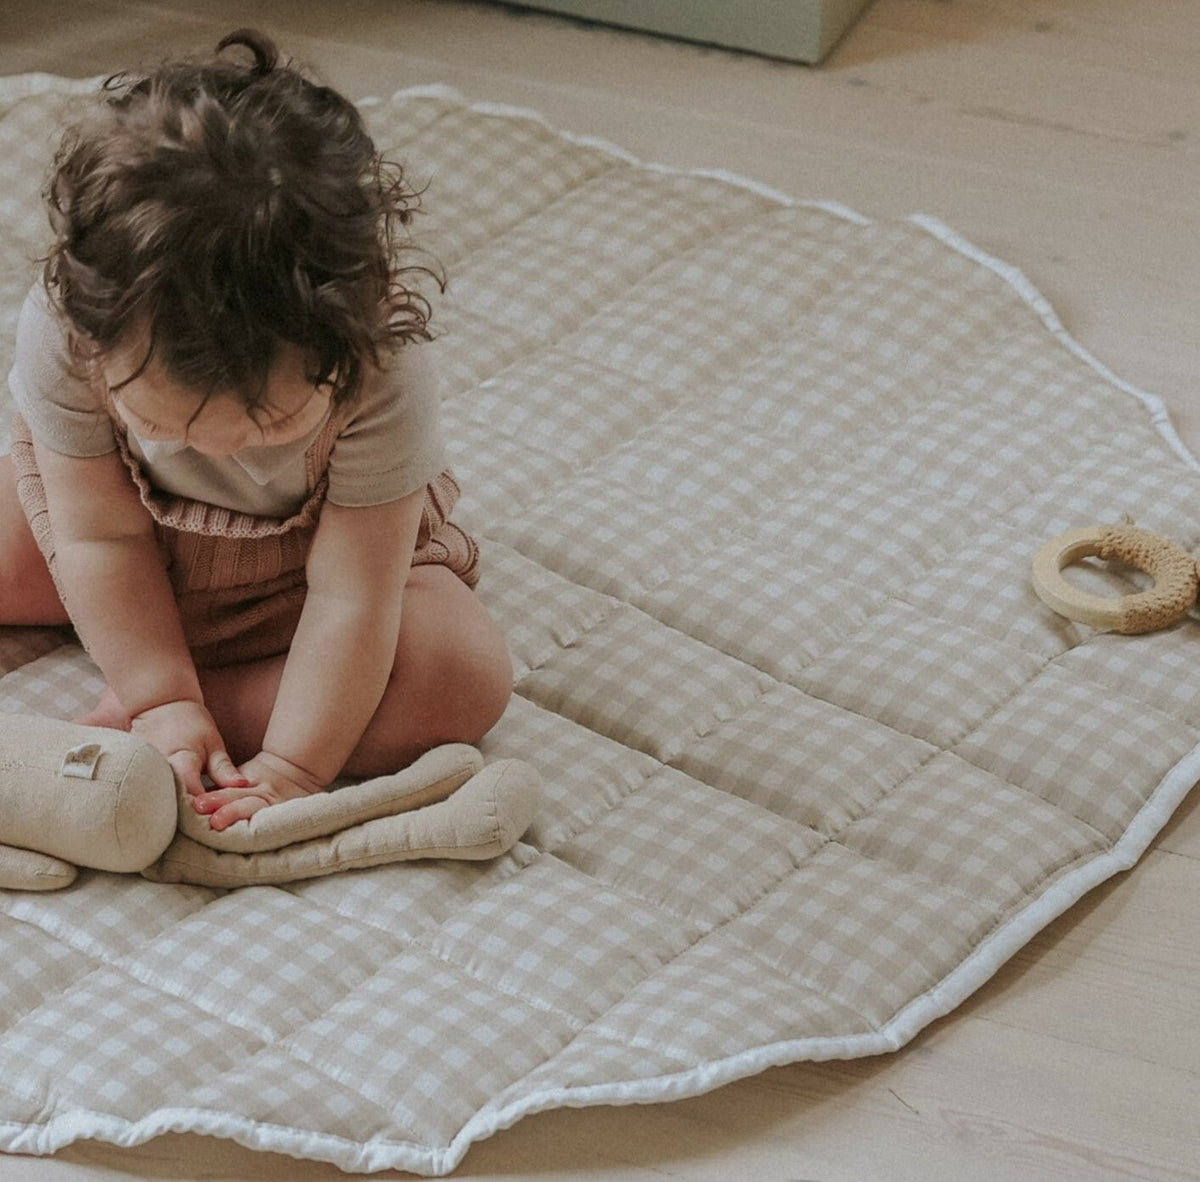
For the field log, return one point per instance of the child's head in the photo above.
(221, 213)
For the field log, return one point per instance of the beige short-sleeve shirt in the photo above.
(389, 443)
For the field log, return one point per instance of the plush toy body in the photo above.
(445, 805)
(72, 795)
(78, 796)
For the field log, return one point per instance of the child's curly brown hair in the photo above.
(224, 206)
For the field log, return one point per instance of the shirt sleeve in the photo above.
(391, 444)
(64, 413)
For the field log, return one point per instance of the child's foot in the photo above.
(107, 712)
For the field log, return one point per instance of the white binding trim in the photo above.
(1016, 279)
(964, 980)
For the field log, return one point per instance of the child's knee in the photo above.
(491, 680)
(466, 659)
(451, 683)
(475, 677)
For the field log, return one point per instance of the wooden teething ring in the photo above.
(1176, 580)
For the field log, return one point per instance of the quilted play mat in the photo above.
(759, 482)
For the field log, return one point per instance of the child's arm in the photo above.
(340, 659)
(120, 600)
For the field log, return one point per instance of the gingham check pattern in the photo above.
(845, 762)
(762, 605)
(1036, 742)
(757, 486)
(658, 691)
(647, 845)
(822, 925)
(986, 588)
(555, 402)
(995, 849)
(715, 996)
(62, 683)
(924, 677)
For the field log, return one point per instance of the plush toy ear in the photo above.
(476, 814)
(84, 796)
(27, 870)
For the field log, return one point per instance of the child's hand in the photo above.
(271, 780)
(185, 733)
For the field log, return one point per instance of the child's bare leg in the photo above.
(27, 593)
(450, 682)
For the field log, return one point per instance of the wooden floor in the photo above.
(1062, 136)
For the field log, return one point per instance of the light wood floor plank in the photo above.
(1086, 980)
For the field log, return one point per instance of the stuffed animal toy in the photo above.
(73, 795)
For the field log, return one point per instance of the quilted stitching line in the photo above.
(463, 964)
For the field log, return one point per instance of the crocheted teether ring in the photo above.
(1176, 579)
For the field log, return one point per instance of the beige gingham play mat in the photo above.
(758, 483)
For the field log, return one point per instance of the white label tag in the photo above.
(80, 762)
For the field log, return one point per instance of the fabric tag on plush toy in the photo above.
(80, 762)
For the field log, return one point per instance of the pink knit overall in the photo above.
(239, 578)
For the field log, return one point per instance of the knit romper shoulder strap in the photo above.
(239, 578)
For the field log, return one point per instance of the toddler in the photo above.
(226, 469)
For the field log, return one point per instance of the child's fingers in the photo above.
(224, 772)
(187, 767)
(214, 798)
(225, 808)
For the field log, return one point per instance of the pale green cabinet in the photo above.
(801, 30)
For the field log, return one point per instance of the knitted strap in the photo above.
(1175, 574)
(188, 516)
